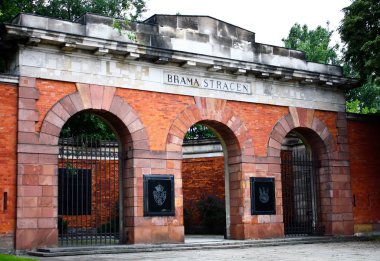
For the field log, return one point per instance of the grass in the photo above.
(4, 257)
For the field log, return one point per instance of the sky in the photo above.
(271, 20)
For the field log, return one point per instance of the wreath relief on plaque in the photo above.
(263, 200)
(159, 195)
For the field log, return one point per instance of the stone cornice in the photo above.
(15, 34)
(6, 78)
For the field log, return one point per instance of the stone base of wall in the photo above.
(367, 229)
(156, 234)
(7, 243)
(257, 231)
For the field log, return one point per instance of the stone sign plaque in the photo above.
(207, 83)
(263, 197)
(159, 195)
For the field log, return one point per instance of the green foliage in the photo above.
(111, 227)
(365, 99)
(5, 257)
(9, 8)
(199, 131)
(72, 9)
(188, 219)
(62, 226)
(87, 124)
(213, 214)
(122, 27)
(360, 31)
(315, 43)
(129, 10)
(356, 107)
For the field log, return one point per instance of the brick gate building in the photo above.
(180, 71)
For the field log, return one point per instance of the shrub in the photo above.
(213, 214)
(111, 227)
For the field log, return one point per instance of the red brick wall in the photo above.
(364, 142)
(50, 93)
(157, 111)
(8, 128)
(201, 177)
(157, 123)
(158, 114)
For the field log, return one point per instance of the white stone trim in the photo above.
(56, 64)
(4, 78)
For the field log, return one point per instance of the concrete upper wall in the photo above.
(195, 34)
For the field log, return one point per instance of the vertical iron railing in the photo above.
(88, 192)
(300, 183)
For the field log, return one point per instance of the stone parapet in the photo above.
(167, 39)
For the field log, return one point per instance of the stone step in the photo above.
(221, 244)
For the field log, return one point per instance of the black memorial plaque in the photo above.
(159, 195)
(263, 198)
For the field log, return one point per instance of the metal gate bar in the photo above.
(88, 192)
(300, 185)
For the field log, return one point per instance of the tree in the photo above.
(315, 43)
(360, 31)
(87, 124)
(198, 132)
(9, 9)
(72, 9)
(365, 99)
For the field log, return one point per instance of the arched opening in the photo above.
(90, 180)
(210, 157)
(203, 182)
(300, 177)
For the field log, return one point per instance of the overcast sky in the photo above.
(271, 20)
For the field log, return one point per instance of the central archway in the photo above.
(203, 178)
(237, 145)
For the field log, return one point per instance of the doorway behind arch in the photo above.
(300, 187)
(89, 210)
(205, 197)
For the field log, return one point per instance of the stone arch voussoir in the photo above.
(92, 97)
(299, 118)
(208, 109)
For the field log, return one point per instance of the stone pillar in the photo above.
(36, 224)
(342, 222)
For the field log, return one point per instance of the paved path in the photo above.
(360, 251)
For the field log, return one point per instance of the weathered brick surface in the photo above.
(152, 127)
(8, 135)
(50, 93)
(156, 111)
(202, 177)
(259, 120)
(364, 143)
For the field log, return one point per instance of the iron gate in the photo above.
(300, 194)
(88, 192)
